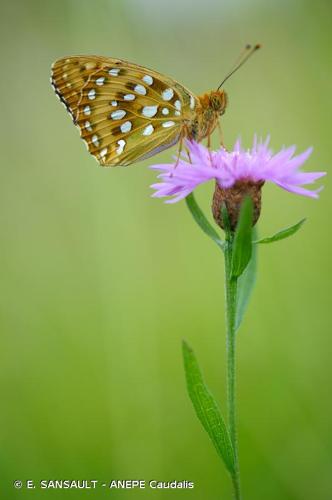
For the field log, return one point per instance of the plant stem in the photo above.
(231, 300)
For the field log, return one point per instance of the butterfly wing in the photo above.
(125, 112)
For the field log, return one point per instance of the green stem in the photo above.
(231, 293)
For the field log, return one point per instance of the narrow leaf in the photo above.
(242, 243)
(202, 221)
(245, 286)
(207, 409)
(284, 233)
(226, 222)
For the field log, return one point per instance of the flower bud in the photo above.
(233, 198)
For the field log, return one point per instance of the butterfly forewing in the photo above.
(125, 112)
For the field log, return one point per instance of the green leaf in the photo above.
(226, 222)
(242, 243)
(245, 286)
(207, 409)
(284, 233)
(202, 221)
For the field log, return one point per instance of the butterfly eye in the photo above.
(218, 101)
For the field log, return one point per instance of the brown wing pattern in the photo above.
(125, 112)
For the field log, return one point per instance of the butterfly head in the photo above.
(218, 101)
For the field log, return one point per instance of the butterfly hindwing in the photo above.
(125, 112)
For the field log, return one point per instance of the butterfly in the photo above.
(127, 113)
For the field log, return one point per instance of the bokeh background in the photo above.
(99, 282)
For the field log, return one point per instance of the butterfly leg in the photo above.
(209, 147)
(179, 151)
(188, 153)
(184, 134)
(221, 135)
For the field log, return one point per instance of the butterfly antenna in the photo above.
(244, 56)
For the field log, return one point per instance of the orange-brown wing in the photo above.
(125, 112)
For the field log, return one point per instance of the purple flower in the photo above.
(255, 165)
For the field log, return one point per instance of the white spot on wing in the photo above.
(117, 115)
(114, 72)
(114, 103)
(100, 81)
(129, 97)
(103, 152)
(149, 111)
(92, 94)
(126, 127)
(148, 130)
(167, 94)
(147, 79)
(87, 125)
(140, 89)
(87, 110)
(177, 104)
(192, 102)
(165, 111)
(95, 140)
(121, 147)
(168, 124)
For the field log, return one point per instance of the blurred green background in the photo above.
(99, 282)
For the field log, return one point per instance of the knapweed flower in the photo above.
(237, 173)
